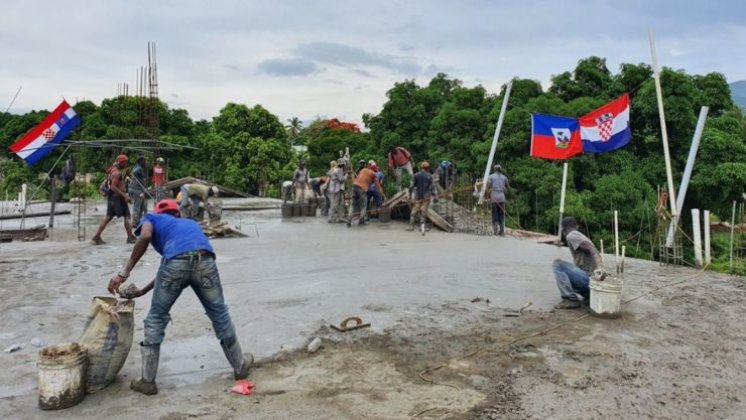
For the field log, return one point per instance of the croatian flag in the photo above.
(606, 128)
(40, 141)
(555, 137)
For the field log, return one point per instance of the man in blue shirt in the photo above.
(188, 261)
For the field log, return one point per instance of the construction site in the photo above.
(365, 316)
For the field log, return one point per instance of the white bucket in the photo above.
(62, 374)
(606, 297)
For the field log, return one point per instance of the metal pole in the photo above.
(14, 99)
(562, 201)
(688, 170)
(664, 133)
(708, 255)
(697, 237)
(732, 227)
(494, 140)
(52, 199)
(616, 238)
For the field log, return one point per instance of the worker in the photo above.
(446, 174)
(497, 189)
(159, 179)
(335, 190)
(359, 201)
(138, 191)
(116, 200)
(188, 260)
(361, 164)
(300, 181)
(573, 279)
(374, 195)
(421, 190)
(196, 194)
(400, 161)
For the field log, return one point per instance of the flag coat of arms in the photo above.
(554, 137)
(606, 128)
(41, 140)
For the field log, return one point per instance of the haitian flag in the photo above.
(38, 142)
(555, 137)
(606, 128)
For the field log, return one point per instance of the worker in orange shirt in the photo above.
(359, 202)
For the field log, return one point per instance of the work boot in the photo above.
(146, 385)
(96, 240)
(241, 362)
(567, 304)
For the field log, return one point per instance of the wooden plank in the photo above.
(30, 215)
(438, 220)
(396, 199)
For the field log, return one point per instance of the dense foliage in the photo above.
(249, 149)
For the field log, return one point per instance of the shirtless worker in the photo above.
(116, 201)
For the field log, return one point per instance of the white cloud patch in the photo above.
(288, 67)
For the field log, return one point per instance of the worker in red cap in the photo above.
(117, 200)
(188, 261)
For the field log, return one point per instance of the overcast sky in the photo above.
(338, 58)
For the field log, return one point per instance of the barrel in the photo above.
(62, 373)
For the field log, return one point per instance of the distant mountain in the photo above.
(738, 93)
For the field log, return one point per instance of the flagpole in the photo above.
(494, 140)
(562, 201)
(664, 133)
(688, 171)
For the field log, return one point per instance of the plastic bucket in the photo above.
(287, 210)
(62, 374)
(606, 297)
(297, 210)
(384, 214)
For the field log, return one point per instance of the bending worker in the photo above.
(573, 279)
(196, 193)
(188, 261)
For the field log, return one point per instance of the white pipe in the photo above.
(621, 265)
(732, 227)
(616, 238)
(697, 234)
(688, 171)
(664, 133)
(562, 200)
(602, 252)
(495, 137)
(708, 256)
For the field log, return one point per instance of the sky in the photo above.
(338, 59)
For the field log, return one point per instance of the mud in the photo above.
(433, 350)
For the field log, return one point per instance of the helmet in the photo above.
(362, 162)
(425, 165)
(166, 205)
(122, 159)
(302, 162)
(160, 159)
(215, 190)
(371, 162)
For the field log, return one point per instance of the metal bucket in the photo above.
(62, 376)
(606, 297)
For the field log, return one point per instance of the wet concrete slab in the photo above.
(284, 282)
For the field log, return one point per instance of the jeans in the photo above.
(201, 274)
(376, 197)
(400, 171)
(358, 203)
(572, 281)
(498, 213)
(185, 198)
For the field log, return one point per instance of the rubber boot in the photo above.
(146, 385)
(496, 229)
(502, 229)
(241, 362)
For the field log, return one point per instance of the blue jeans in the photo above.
(201, 274)
(185, 198)
(571, 280)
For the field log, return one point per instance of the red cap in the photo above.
(166, 206)
(122, 159)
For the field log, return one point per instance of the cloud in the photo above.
(232, 67)
(288, 67)
(362, 72)
(345, 55)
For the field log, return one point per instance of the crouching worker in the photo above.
(187, 261)
(573, 279)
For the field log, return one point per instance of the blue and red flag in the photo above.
(554, 137)
(606, 128)
(41, 140)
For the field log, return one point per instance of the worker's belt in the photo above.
(194, 254)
